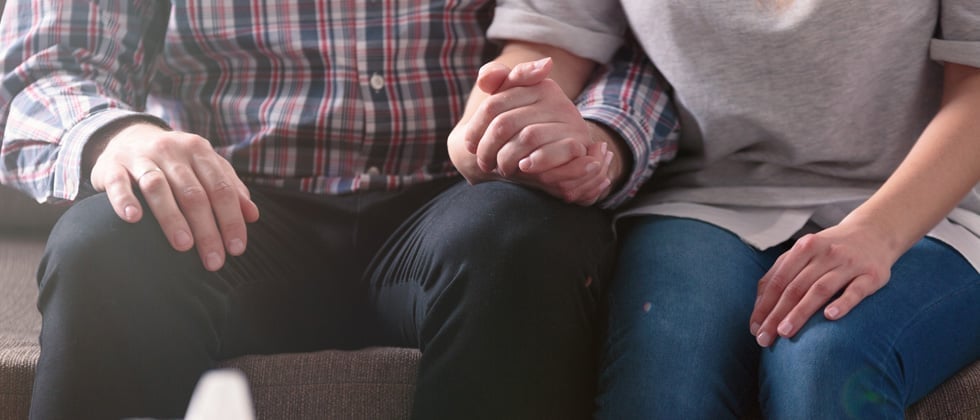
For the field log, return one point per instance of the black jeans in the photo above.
(496, 284)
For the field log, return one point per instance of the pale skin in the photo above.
(854, 258)
(192, 191)
(520, 125)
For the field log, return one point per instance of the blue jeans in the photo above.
(678, 342)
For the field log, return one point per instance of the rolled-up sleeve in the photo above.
(69, 69)
(959, 40)
(628, 96)
(588, 28)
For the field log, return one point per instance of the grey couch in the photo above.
(374, 383)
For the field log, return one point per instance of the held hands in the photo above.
(192, 191)
(844, 259)
(528, 131)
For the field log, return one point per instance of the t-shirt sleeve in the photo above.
(588, 28)
(959, 35)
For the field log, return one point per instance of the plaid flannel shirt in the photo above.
(326, 97)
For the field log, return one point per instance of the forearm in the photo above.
(58, 100)
(629, 99)
(937, 173)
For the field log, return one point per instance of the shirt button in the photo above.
(377, 82)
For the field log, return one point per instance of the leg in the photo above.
(891, 350)
(678, 344)
(497, 285)
(129, 324)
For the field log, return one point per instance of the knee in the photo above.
(519, 233)
(88, 245)
(830, 368)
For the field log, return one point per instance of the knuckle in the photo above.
(222, 188)
(116, 178)
(795, 292)
(823, 289)
(777, 282)
(500, 126)
(193, 195)
(152, 183)
(806, 243)
(494, 105)
(529, 137)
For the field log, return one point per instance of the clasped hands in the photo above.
(529, 132)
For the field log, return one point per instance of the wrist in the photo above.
(878, 229)
(100, 140)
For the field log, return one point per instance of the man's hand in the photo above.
(193, 192)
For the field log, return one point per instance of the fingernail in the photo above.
(539, 64)
(525, 164)
(784, 328)
(182, 239)
(604, 147)
(483, 69)
(213, 262)
(592, 167)
(763, 340)
(832, 312)
(754, 328)
(236, 246)
(609, 157)
(130, 212)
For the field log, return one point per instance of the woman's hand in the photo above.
(193, 192)
(852, 261)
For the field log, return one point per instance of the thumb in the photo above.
(492, 75)
(528, 74)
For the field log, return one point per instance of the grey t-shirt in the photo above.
(788, 115)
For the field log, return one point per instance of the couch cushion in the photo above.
(20, 212)
(19, 322)
(373, 383)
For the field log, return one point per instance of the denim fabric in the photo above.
(678, 342)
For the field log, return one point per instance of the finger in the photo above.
(159, 197)
(118, 185)
(491, 76)
(494, 129)
(528, 74)
(223, 195)
(816, 297)
(250, 211)
(192, 197)
(771, 285)
(863, 286)
(789, 299)
(585, 192)
(555, 154)
(582, 168)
